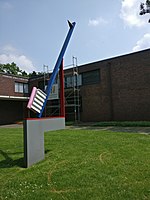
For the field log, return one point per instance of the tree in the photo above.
(15, 70)
(33, 74)
(12, 69)
(145, 8)
(24, 73)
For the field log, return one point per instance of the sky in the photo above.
(32, 32)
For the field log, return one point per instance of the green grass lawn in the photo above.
(79, 164)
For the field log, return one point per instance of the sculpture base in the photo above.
(34, 129)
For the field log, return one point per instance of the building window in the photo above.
(21, 87)
(41, 84)
(68, 81)
(79, 80)
(73, 81)
(25, 88)
(91, 77)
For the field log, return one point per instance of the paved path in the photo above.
(141, 130)
(12, 126)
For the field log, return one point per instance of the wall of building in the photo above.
(11, 111)
(12, 104)
(123, 92)
(131, 86)
(7, 85)
(96, 98)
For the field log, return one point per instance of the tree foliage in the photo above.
(12, 69)
(15, 70)
(145, 8)
(34, 74)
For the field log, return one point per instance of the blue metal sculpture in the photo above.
(57, 65)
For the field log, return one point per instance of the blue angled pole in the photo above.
(58, 64)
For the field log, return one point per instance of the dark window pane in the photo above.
(91, 77)
(25, 88)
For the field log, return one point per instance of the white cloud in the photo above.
(143, 43)
(97, 22)
(6, 6)
(9, 49)
(130, 13)
(9, 54)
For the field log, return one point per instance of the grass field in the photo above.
(79, 164)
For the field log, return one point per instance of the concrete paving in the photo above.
(140, 130)
(12, 126)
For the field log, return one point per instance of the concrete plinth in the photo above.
(34, 137)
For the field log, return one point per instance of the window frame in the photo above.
(22, 88)
(95, 77)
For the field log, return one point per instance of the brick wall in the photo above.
(123, 92)
(7, 85)
(96, 99)
(11, 110)
(131, 87)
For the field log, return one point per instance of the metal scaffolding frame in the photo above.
(72, 96)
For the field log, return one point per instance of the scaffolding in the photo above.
(72, 94)
(45, 77)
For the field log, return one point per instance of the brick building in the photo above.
(112, 89)
(122, 91)
(13, 98)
